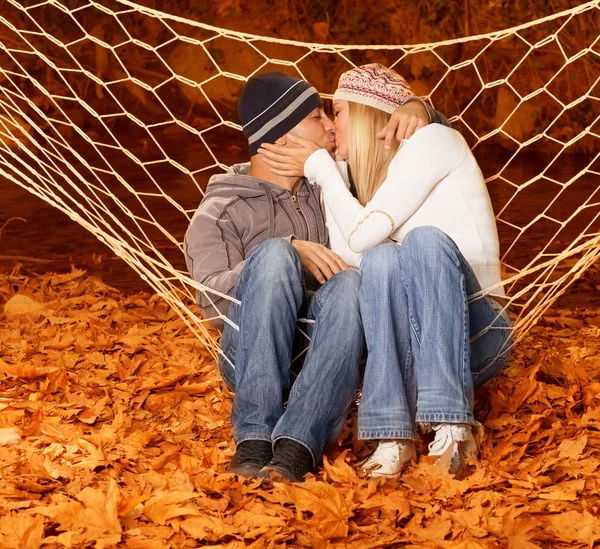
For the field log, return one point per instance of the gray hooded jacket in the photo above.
(239, 212)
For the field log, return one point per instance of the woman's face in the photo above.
(341, 121)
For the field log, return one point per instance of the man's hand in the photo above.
(319, 260)
(405, 121)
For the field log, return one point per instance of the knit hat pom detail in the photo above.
(374, 85)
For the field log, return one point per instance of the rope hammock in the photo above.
(117, 114)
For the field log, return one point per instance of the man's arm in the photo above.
(215, 258)
(435, 117)
(414, 114)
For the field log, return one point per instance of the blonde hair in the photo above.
(367, 156)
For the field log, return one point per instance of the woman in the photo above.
(424, 222)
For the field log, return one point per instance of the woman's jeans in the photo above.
(428, 346)
(272, 295)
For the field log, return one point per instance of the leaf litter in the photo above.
(115, 432)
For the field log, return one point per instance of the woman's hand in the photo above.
(404, 122)
(288, 160)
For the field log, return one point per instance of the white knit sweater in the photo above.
(433, 180)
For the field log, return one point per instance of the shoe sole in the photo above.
(372, 473)
(266, 474)
(249, 471)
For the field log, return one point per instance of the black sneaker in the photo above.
(250, 457)
(291, 460)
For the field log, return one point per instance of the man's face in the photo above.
(341, 119)
(317, 127)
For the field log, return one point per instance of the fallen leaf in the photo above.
(321, 509)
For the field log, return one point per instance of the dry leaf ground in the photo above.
(115, 432)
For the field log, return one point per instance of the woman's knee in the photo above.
(379, 262)
(422, 244)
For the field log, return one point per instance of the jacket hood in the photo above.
(236, 182)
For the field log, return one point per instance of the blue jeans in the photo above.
(272, 296)
(427, 345)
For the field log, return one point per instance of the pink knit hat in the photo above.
(373, 85)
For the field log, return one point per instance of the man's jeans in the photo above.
(272, 295)
(427, 345)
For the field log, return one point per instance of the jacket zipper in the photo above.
(301, 214)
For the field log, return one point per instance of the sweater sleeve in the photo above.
(421, 162)
(215, 259)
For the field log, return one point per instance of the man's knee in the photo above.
(274, 248)
(277, 258)
(342, 293)
(345, 284)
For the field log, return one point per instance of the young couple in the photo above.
(280, 236)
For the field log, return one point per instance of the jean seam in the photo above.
(466, 344)
(445, 417)
(252, 436)
(414, 325)
(380, 434)
(295, 393)
(320, 301)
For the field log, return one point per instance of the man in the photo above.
(262, 240)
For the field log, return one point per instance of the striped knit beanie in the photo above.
(374, 85)
(272, 104)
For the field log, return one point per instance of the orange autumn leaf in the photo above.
(129, 503)
(166, 375)
(23, 305)
(101, 509)
(572, 448)
(164, 506)
(23, 370)
(434, 530)
(21, 531)
(207, 528)
(94, 516)
(339, 470)
(255, 520)
(394, 505)
(321, 509)
(521, 541)
(574, 526)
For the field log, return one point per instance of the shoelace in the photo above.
(382, 451)
(445, 434)
(290, 453)
(250, 452)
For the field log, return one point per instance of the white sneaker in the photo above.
(454, 443)
(390, 458)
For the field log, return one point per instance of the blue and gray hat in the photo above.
(272, 104)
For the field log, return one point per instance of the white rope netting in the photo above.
(117, 115)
